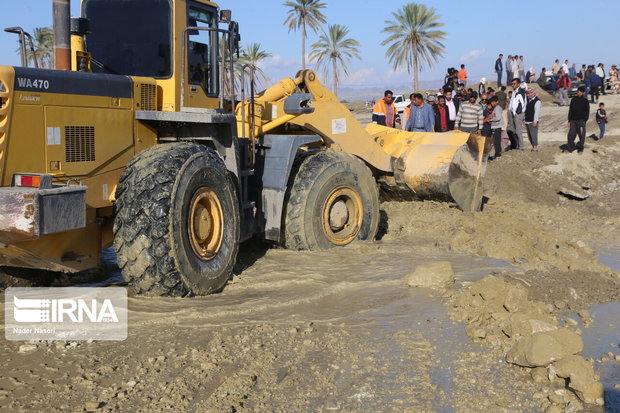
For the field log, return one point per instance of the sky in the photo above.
(541, 31)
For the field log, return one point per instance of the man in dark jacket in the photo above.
(442, 115)
(499, 68)
(594, 82)
(578, 114)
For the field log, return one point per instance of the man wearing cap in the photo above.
(422, 117)
(470, 117)
(532, 116)
(578, 114)
(431, 100)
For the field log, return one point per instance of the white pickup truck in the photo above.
(400, 103)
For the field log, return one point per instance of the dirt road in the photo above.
(340, 331)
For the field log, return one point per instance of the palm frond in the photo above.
(334, 49)
(414, 40)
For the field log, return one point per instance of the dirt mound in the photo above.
(500, 315)
(542, 94)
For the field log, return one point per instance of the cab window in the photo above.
(202, 50)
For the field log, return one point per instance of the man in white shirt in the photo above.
(517, 110)
(600, 70)
(453, 108)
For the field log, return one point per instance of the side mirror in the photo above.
(225, 16)
(233, 27)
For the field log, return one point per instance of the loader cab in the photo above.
(175, 42)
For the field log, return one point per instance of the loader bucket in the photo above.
(447, 165)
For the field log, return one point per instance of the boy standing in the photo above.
(497, 123)
(601, 119)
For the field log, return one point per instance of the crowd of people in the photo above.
(504, 117)
(493, 114)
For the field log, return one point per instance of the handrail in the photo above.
(252, 127)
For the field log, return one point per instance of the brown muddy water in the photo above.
(324, 331)
(340, 330)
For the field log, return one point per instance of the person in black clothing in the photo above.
(601, 119)
(578, 114)
(499, 68)
(442, 115)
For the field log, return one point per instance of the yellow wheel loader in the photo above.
(142, 137)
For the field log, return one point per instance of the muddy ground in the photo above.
(339, 330)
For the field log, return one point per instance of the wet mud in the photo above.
(343, 330)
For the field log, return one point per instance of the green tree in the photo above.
(414, 39)
(44, 46)
(336, 50)
(43, 43)
(252, 56)
(303, 14)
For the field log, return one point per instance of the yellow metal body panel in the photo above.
(68, 251)
(171, 87)
(28, 117)
(26, 121)
(7, 76)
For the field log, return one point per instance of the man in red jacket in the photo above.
(564, 84)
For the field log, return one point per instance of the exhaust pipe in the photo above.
(62, 34)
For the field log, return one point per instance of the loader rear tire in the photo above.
(333, 200)
(176, 227)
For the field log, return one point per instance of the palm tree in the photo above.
(252, 56)
(414, 39)
(43, 43)
(44, 46)
(334, 47)
(304, 13)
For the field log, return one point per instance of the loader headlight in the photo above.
(3, 88)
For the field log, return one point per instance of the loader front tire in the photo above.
(176, 227)
(333, 200)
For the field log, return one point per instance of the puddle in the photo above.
(598, 340)
(610, 257)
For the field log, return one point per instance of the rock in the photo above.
(516, 299)
(490, 288)
(558, 396)
(573, 365)
(436, 275)
(523, 325)
(588, 390)
(27, 348)
(582, 379)
(573, 407)
(571, 322)
(208, 366)
(554, 409)
(573, 194)
(543, 348)
(475, 332)
(586, 318)
(539, 375)
(560, 304)
(131, 383)
(92, 406)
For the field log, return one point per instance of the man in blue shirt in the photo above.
(422, 117)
